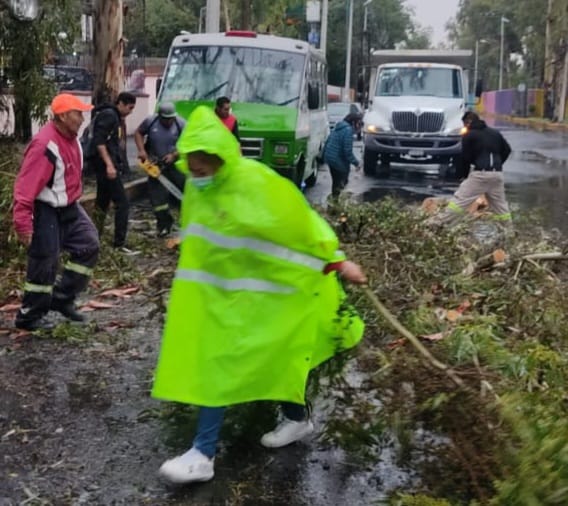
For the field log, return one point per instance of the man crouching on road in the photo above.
(484, 151)
(49, 218)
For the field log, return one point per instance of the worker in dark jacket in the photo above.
(484, 151)
(338, 152)
(110, 163)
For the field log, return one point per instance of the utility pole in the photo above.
(108, 50)
(503, 21)
(562, 99)
(323, 34)
(212, 16)
(348, 53)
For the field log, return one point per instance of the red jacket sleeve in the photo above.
(35, 172)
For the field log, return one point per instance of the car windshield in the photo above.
(245, 74)
(419, 81)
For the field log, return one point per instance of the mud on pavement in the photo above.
(78, 426)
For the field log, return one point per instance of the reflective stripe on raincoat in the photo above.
(250, 311)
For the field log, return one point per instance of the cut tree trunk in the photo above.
(108, 50)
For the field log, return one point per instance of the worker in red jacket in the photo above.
(48, 217)
(223, 110)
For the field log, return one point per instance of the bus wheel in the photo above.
(299, 173)
(313, 177)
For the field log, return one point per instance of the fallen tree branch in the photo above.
(392, 320)
(492, 259)
(546, 256)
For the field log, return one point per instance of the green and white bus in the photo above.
(277, 87)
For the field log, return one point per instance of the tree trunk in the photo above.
(108, 50)
(245, 15)
(548, 43)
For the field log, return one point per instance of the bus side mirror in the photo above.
(313, 97)
(158, 86)
(479, 88)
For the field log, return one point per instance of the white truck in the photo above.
(416, 101)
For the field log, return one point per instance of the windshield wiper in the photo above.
(286, 102)
(215, 90)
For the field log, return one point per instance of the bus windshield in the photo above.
(419, 81)
(244, 74)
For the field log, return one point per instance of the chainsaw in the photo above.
(153, 170)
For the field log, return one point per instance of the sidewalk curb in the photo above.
(535, 123)
(545, 158)
(134, 189)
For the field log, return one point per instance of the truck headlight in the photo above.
(280, 149)
(372, 129)
(458, 131)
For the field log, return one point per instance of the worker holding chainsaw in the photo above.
(156, 139)
(256, 301)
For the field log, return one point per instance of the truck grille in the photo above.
(427, 122)
(252, 147)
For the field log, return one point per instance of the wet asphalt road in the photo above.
(536, 178)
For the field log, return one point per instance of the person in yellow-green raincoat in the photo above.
(255, 300)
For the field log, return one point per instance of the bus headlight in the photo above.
(281, 149)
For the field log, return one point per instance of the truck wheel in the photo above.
(384, 168)
(370, 162)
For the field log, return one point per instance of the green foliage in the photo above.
(418, 500)
(151, 32)
(25, 47)
(500, 440)
(481, 20)
(11, 253)
(537, 458)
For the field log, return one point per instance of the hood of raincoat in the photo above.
(206, 132)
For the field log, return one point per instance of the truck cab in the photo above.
(417, 99)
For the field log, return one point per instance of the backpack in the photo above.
(86, 139)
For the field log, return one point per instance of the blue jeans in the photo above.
(210, 420)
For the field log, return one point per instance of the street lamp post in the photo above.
(323, 34)
(348, 53)
(503, 21)
(476, 65)
(366, 47)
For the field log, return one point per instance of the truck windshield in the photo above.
(419, 81)
(242, 73)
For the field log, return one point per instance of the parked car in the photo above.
(336, 111)
(64, 77)
(69, 78)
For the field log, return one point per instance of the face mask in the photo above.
(202, 182)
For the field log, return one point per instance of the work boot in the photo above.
(190, 467)
(33, 325)
(67, 308)
(287, 432)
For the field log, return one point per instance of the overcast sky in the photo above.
(434, 13)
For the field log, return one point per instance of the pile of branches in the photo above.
(488, 376)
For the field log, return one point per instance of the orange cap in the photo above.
(65, 102)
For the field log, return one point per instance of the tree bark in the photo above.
(108, 50)
(245, 15)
